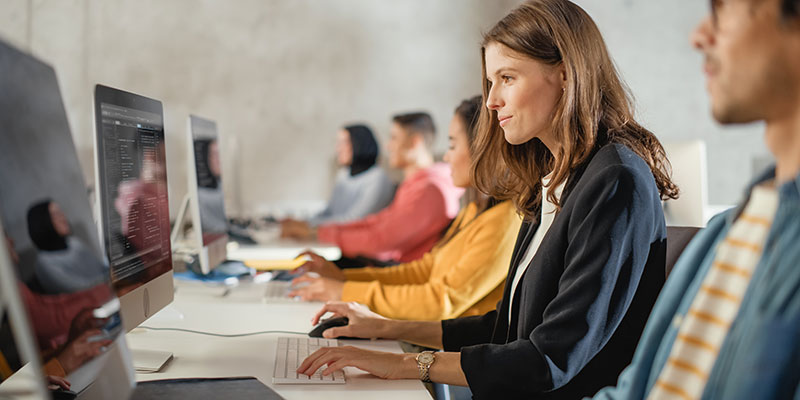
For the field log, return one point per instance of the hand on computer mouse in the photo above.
(57, 382)
(310, 288)
(362, 323)
(326, 324)
(321, 266)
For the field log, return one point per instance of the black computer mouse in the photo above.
(326, 324)
(63, 394)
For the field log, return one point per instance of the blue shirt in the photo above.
(760, 357)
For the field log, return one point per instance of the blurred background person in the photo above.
(362, 186)
(425, 203)
(463, 274)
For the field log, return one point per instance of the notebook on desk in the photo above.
(277, 265)
(205, 388)
(280, 249)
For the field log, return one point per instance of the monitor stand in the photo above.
(143, 358)
(177, 229)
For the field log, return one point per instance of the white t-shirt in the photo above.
(548, 214)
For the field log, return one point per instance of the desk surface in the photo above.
(201, 307)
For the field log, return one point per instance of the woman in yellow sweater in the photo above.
(462, 275)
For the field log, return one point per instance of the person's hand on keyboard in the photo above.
(314, 288)
(299, 230)
(381, 364)
(321, 266)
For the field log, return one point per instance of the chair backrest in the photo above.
(688, 159)
(677, 239)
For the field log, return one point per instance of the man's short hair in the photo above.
(790, 8)
(418, 123)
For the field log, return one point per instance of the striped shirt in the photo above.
(703, 328)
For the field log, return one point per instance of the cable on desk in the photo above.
(220, 334)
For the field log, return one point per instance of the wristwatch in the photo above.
(424, 362)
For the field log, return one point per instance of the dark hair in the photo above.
(595, 108)
(468, 112)
(41, 229)
(365, 148)
(790, 8)
(420, 123)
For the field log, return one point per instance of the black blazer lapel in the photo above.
(501, 328)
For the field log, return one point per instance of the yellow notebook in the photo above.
(272, 265)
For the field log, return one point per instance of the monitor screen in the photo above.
(62, 275)
(208, 171)
(132, 185)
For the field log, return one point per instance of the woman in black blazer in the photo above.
(558, 137)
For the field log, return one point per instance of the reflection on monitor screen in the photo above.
(205, 195)
(133, 202)
(62, 275)
(134, 193)
(21, 373)
(211, 198)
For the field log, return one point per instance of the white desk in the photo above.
(201, 307)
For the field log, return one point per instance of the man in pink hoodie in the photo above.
(424, 204)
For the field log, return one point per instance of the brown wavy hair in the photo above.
(468, 111)
(595, 109)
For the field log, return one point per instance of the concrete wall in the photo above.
(280, 76)
(649, 41)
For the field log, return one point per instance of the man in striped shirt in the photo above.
(727, 323)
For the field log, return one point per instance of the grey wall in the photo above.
(280, 76)
(649, 41)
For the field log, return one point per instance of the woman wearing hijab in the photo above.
(63, 263)
(362, 187)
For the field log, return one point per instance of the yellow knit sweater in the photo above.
(463, 277)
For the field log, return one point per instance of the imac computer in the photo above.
(60, 276)
(208, 240)
(133, 223)
(204, 199)
(21, 375)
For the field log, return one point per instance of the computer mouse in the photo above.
(326, 324)
(63, 394)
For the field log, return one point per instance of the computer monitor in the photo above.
(205, 197)
(49, 237)
(131, 176)
(21, 376)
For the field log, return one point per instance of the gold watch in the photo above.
(424, 362)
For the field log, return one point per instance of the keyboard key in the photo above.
(291, 351)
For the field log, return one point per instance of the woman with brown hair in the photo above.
(558, 138)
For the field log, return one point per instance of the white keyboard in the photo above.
(277, 292)
(290, 354)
